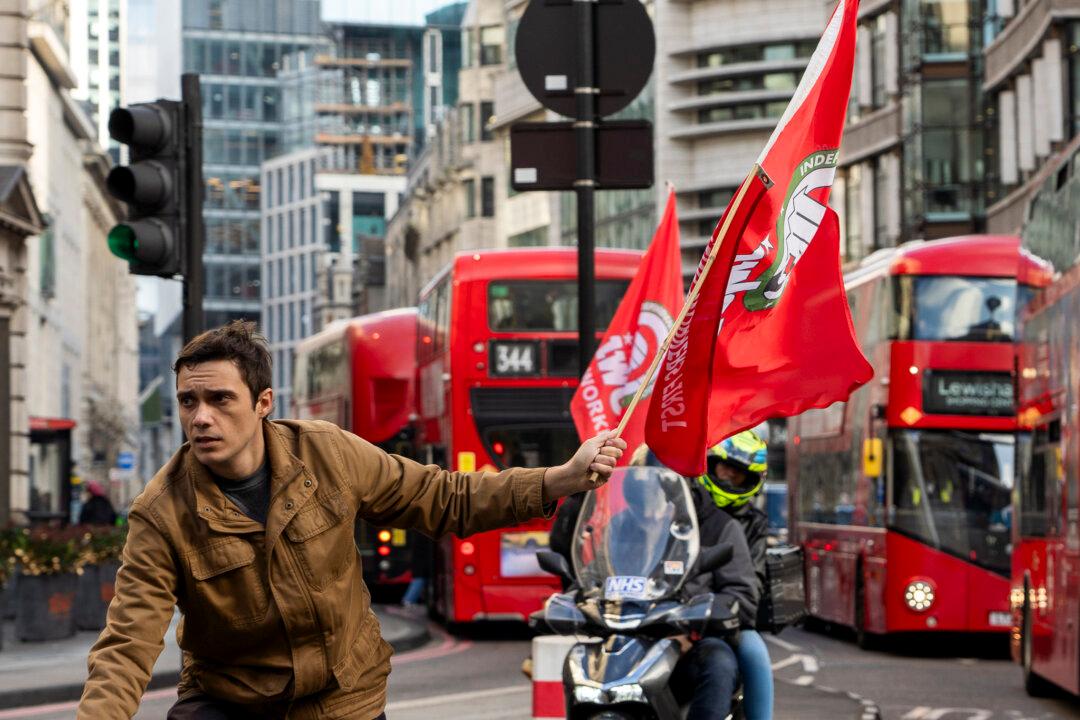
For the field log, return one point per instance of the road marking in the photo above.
(790, 647)
(38, 710)
(929, 713)
(809, 662)
(804, 680)
(458, 697)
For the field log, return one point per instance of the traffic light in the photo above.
(154, 186)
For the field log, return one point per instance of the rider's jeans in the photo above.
(756, 669)
(706, 676)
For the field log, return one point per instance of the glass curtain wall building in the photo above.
(102, 28)
(916, 161)
(238, 47)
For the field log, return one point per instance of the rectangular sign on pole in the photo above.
(542, 155)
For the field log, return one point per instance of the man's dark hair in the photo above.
(239, 342)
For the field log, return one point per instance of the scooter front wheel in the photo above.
(610, 715)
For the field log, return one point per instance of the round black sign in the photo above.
(547, 53)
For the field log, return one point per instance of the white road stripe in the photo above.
(782, 643)
(457, 697)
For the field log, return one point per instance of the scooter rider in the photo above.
(706, 676)
(736, 470)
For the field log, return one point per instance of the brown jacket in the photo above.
(279, 616)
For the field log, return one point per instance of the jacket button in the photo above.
(307, 483)
(288, 505)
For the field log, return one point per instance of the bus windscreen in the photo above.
(953, 490)
(968, 309)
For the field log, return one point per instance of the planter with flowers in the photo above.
(101, 548)
(50, 560)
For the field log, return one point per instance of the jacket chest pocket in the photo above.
(322, 539)
(228, 581)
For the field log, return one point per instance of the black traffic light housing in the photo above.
(155, 187)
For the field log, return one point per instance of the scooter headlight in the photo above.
(631, 692)
(919, 595)
(588, 694)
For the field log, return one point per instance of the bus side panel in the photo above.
(834, 556)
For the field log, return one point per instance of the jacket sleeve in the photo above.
(757, 537)
(123, 657)
(393, 490)
(736, 579)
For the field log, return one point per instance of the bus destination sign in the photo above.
(950, 392)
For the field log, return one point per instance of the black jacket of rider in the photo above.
(734, 581)
(755, 525)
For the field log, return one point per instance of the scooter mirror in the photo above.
(713, 557)
(555, 564)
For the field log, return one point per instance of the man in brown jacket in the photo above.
(248, 529)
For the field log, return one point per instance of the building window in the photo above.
(878, 53)
(778, 81)
(491, 42)
(468, 47)
(487, 196)
(946, 27)
(470, 198)
(752, 111)
(487, 114)
(853, 212)
(332, 220)
(881, 202)
(292, 277)
(47, 252)
(715, 198)
(468, 123)
(758, 52)
(951, 160)
(530, 238)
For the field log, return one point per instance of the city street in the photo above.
(479, 678)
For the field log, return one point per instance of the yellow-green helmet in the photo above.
(745, 451)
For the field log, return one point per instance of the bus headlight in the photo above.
(919, 595)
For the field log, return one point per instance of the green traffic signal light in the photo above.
(123, 242)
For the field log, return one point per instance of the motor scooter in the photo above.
(635, 545)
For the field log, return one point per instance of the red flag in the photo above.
(766, 340)
(642, 321)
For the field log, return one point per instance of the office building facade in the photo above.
(239, 47)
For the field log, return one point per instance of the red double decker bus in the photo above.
(1046, 528)
(901, 496)
(498, 363)
(360, 374)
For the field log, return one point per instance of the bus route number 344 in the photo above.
(514, 358)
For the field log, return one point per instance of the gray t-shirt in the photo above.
(250, 494)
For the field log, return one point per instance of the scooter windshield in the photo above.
(636, 537)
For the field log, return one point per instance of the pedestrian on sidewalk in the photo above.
(248, 529)
(97, 509)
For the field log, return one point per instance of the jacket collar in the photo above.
(211, 503)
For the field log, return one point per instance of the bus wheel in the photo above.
(1035, 685)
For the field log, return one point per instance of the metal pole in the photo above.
(194, 321)
(585, 185)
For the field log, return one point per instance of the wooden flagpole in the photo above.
(756, 170)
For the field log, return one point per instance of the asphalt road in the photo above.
(479, 678)
(925, 678)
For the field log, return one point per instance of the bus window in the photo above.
(953, 491)
(327, 371)
(1040, 482)
(965, 309)
(548, 305)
